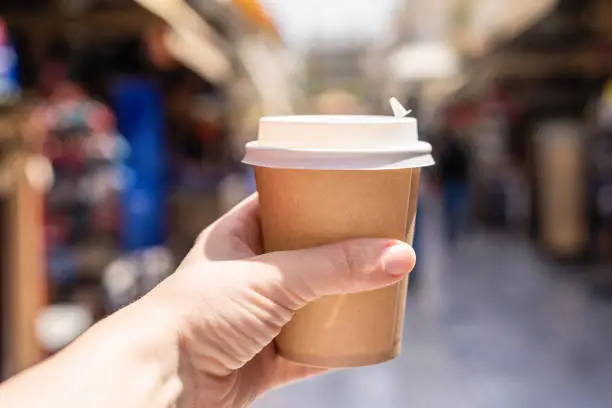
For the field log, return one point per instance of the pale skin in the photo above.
(204, 337)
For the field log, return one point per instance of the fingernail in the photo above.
(398, 259)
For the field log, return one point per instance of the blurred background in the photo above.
(122, 126)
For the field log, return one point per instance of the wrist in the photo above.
(150, 331)
(141, 343)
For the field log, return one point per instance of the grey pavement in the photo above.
(489, 325)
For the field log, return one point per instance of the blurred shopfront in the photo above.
(136, 140)
(534, 80)
(552, 72)
(527, 86)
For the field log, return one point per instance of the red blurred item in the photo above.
(4, 33)
(207, 131)
(102, 120)
(51, 74)
(56, 229)
(105, 215)
(156, 46)
(73, 157)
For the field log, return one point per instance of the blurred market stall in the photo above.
(183, 85)
(525, 85)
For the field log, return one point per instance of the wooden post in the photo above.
(25, 270)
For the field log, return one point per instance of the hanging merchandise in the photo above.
(140, 120)
(81, 218)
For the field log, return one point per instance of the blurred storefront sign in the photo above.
(428, 72)
(424, 61)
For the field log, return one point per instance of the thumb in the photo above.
(294, 278)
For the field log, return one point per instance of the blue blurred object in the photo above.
(251, 186)
(10, 88)
(63, 268)
(140, 119)
(456, 196)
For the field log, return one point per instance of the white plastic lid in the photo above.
(338, 142)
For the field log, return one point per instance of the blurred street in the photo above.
(489, 325)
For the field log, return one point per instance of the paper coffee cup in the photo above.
(324, 179)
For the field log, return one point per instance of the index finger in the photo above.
(236, 235)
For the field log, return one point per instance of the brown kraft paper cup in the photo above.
(307, 208)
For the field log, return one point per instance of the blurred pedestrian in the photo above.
(453, 167)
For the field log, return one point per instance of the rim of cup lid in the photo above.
(338, 119)
(418, 155)
(340, 142)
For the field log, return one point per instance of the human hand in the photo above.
(227, 303)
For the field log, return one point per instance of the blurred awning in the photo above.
(257, 15)
(270, 73)
(424, 61)
(523, 14)
(192, 41)
(200, 54)
(47, 19)
(495, 22)
(565, 40)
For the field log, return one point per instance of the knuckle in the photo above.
(294, 296)
(202, 236)
(272, 327)
(306, 293)
(339, 265)
(355, 262)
